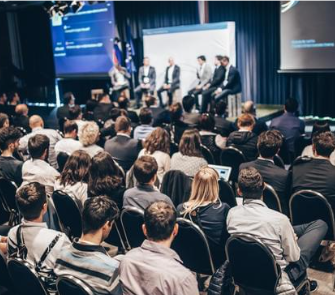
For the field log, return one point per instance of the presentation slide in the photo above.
(307, 35)
(83, 41)
(185, 44)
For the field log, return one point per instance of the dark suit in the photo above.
(63, 112)
(124, 150)
(159, 116)
(175, 84)
(102, 111)
(145, 79)
(22, 121)
(233, 85)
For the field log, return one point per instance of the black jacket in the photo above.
(218, 77)
(246, 142)
(101, 111)
(221, 282)
(224, 126)
(234, 81)
(175, 77)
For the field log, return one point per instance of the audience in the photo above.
(224, 126)
(177, 126)
(244, 139)
(13, 98)
(4, 121)
(3, 98)
(68, 102)
(160, 115)
(154, 268)
(21, 118)
(102, 110)
(144, 193)
(69, 143)
(86, 258)
(89, 109)
(191, 116)
(293, 247)
(75, 114)
(145, 127)
(88, 137)
(123, 105)
(189, 159)
(74, 177)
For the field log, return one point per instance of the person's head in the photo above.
(207, 122)
(157, 140)
(70, 129)
(38, 146)
(104, 98)
(98, 216)
(13, 98)
(218, 59)
(160, 222)
(171, 61)
(323, 144)
(250, 184)
(146, 61)
(246, 122)
(122, 125)
(269, 143)
(123, 102)
(205, 189)
(3, 98)
(90, 105)
(76, 168)
(320, 126)
(220, 108)
(75, 113)
(4, 120)
(225, 61)
(145, 170)
(115, 113)
(36, 121)
(190, 143)
(89, 134)
(68, 99)
(21, 110)
(291, 105)
(9, 139)
(201, 59)
(176, 112)
(150, 100)
(188, 103)
(31, 201)
(249, 107)
(146, 116)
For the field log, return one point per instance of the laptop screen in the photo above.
(224, 171)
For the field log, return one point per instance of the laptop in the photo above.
(224, 171)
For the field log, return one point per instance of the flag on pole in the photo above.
(117, 53)
(130, 51)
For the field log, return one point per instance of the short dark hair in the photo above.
(219, 57)
(150, 100)
(123, 102)
(269, 143)
(145, 168)
(226, 58)
(69, 126)
(202, 57)
(101, 96)
(159, 219)
(3, 119)
(176, 111)
(8, 135)
(97, 211)
(37, 145)
(67, 97)
(324, 143)
(291, 105)
(250, 183)
(145, 116)
(122, 123)
(74, 112)
(207, 122)
(220, 108)
(30, 200)
(188, 103)
(114, 113)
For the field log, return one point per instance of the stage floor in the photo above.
(265, 112)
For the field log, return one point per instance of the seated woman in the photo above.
(106, 178)
(206, 210)
(74, 178)
(157, 145)
(88, 137)
(189, 158)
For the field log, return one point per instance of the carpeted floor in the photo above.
(325, 281)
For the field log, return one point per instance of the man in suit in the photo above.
(204, 74)
(224, 126)
(146, 80)
(210, 87)
(268, 144)
(122, 147)
(21, 118)
(102, 110)
(69, 101)
(171, 82)
(231, 83)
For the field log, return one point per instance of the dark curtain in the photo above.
(258, 58)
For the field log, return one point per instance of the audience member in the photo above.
(106, 178)
(3, 98)
(69, 143)
(37, 127)
(88, 137)
(160, 115)
(102, 110)
(123, 105)
(21, 118)
(244, 139)
(122, 147)
(10, 167)
(13, 98)
(293, 247)
(4, 121)
(177, 126)
(68, 102)
(145, 127)
(224, 126)
(144, 193)
(75, 114)
(157, 145)
(86, 258)
(154, 268)
(191, 117)
(108, 131)
(74, 177)
(189, 159)
(89, 109)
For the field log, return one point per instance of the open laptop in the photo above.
(224, 171)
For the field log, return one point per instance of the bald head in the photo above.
(249, 107)
(21, 110)
(36, 121)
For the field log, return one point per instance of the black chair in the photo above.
(232, 157)
(68, 214)
(7, 199)
(67, 284)
(25, 278)
(61, 160)
(227, 194)
(208, 156)
(132, 219)
(116, 237)
(253, 266)
(173, 148)
(278, 161)
(5, 279)
(192, 246)
(271, 198)
(300, 143)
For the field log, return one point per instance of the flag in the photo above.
(130, 51)
(117, 54)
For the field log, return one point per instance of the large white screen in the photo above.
(185, 44)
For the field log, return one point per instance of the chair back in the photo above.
(271, 198)
(226, 193)
(307, 205)
(25, 278)
(207, 154)
(67, 284)
(132, 219)
(278, 161)
(232, 157)
(61, 160)
(68, 213)
(253, 265)
(8, 202)
(116, 236)
(5, 279)
(192, 246)
(173, 148)
(300, 143)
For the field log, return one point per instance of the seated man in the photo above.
(76, 115)
(32, 202)
(123, 105)
(69, 143)
(191, 117)
(86, 259)
(154, 268)
(21, 118)
(69, 101)
(144, 193)
(102, 110)
(224, 126)
(160, 115)
(145, 127)
(268, 145)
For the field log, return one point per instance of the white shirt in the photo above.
(201, 69)
(225, 82)
(78, 191)
(92, 150)
(146, 70)
(67, 145)
(170, 74)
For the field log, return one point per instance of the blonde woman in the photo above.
(88, 137)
